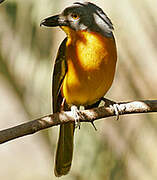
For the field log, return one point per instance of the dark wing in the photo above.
(60, 69)
(65, 142)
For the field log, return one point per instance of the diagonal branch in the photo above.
(67, 116)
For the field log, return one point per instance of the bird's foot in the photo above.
(76, 113)
(114, 105)
(117, 110)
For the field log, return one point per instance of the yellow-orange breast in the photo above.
(91, 60)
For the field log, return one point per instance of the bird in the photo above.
(84, 68)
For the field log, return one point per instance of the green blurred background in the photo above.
(123, 150)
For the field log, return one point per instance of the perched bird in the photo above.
(84, 68)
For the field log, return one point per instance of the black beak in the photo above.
(54, 21)
(1, 1)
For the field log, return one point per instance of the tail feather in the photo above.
(64, 151)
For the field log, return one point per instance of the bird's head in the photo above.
(82, 17)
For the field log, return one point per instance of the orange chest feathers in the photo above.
(91, 60)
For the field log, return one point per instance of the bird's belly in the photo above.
(86, 87)
(91, 62)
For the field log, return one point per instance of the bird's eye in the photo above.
(75, 16)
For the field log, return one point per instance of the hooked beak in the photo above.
(54, 21)
(1, 1)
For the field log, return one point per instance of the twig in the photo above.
(86, 116)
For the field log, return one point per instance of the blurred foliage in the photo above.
(118, 150)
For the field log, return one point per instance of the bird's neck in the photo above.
(72, 35)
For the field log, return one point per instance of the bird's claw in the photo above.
(117, 110)
(76, 115)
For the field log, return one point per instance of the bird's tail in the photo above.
(64, 149)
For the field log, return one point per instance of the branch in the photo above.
(67, 116)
